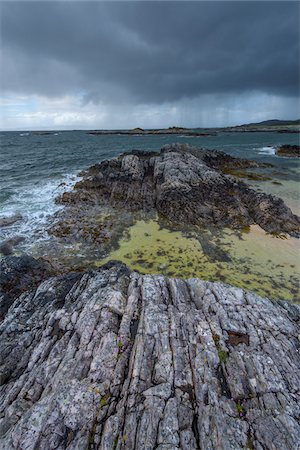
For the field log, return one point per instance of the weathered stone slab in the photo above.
(111, 359)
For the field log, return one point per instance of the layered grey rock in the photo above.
(111, 359)
(184, 185)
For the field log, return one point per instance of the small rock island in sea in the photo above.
(114, 359)
(292, 151)
(184, 185)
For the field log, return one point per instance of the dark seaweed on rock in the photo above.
(110, 359)
(18, 275)
(185, 185)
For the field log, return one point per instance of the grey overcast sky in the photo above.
(148, 64)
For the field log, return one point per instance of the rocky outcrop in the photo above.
(292, 151)
(184, 185)
(7, 246)
(111, 359)
(18, 275)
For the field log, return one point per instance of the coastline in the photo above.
(150, 226)
(101, 232)
(292, 127)
(114, 358)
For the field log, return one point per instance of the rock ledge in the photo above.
(111, 359)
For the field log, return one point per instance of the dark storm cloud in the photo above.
(149, 52)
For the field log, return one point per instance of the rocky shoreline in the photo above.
(183, 185)
(111, 359)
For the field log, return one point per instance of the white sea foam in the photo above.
(188, 136)
(267, 150)
(24, 134)
(37, 205)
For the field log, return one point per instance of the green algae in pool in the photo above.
(258, 262)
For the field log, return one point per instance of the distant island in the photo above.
(275, 125)
(170, 130)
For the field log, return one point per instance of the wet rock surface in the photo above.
(7, 246)
(292, 151)
(111, 359)
(184, 185)
(17, 275)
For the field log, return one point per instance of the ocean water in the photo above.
(32, 166)
(35, 168)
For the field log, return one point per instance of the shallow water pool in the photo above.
(252, 260)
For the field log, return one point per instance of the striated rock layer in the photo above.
(184, 185)
(111, 359)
